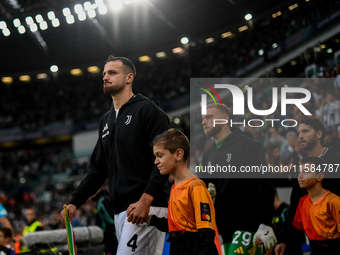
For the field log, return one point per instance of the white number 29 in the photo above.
(246, 238)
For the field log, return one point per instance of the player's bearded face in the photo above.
(307, 137)
(212, 131)
(208, 122)
(114, 78)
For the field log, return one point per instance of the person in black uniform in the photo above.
(243, 206)
(311, 133)
(124, 157)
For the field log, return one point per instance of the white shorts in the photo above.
(139, 239)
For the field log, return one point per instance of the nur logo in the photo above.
(238, 106)
(204, 97)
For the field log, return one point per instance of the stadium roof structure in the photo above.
(140, 27)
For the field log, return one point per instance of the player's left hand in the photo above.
(138, 212)
(267, 236)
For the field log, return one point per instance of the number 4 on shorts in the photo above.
(133, 242)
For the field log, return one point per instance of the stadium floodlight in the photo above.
(82, 16)
(177, 121)
(93, 69)
(248, 16)
(243, 28)
(94, 6)
(274, 46)
(6, 32)
(292, 7)
(29, 20)
(91, 13)
(21, 29)
(55, 22)
(41, 76)
(51, 15)
(76, 72)
(226, 34)
(3, 24)
(34, 27)
(330, 50)
(102, 9)
(66, 11)
(261, 52)
(39, 18)
(209, 40)
(99, 2)
(25, 78)
(7, 80)
(70, 19)
(116, 5)
(16, 22)
(184, 40)
(78, 8)
(43, 25)
(145, 58)
(87, 5)
(178, 50)
(161, 54)
(54, 68)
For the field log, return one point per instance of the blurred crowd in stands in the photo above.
(65, 98)
(26, 175)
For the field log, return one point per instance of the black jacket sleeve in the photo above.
(96, 176)
(160, 223)
(206, 244)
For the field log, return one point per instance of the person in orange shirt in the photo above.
(318, 213)
(191, 213)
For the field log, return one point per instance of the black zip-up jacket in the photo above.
(243, 203)
(124, 156)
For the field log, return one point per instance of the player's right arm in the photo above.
(96, 176)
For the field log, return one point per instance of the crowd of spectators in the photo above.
(68, 99)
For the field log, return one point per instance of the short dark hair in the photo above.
(7, 232)
(316, 125)
(172, 140)
(312, 160)
(126, 62)
(316, 161)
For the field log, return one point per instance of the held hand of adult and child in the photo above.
(138, 212)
